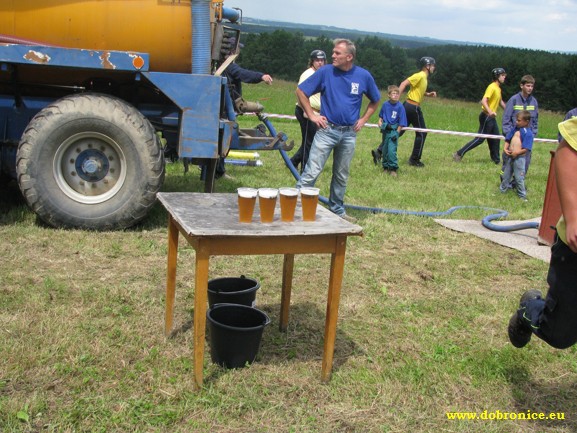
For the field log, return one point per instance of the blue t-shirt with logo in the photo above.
(341, 92)
(393, 114)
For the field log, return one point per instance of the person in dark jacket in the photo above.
(235, 76)
(524, 100)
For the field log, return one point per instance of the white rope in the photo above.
(433, 131)
(471, 134)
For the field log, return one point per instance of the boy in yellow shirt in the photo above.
(418, 83)
(488, 118)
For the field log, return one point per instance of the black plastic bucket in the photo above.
(235, 334)
(231, 290)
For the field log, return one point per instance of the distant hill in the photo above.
(254, 25)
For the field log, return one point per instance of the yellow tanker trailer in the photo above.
(88, 87)
(161, 28)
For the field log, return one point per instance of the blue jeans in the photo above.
(527, 156)
(514, 167)
(341, 141)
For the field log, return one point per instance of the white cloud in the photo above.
(471, 4)
(556, 17)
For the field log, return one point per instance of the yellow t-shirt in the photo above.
(419, 84)
(493, 95)
(568, 130)
(315, 99)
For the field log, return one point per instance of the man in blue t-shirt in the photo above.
(342, 86)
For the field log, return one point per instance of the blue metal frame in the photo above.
(199, 99)
(74, 57)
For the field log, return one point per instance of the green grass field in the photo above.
(422, 319)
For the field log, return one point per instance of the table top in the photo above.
(204, 214)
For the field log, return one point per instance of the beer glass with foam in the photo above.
(288, 203)
(309, 201)
(267, 202)
(246, 202)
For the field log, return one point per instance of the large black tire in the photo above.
(90, 161)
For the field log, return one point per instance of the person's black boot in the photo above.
(415, 163)
(376, 156)
(519, 329)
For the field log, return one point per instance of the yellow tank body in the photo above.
(161, 28)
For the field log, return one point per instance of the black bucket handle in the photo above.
(224, 304)
(242, 277)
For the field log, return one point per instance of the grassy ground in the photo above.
(422, 321)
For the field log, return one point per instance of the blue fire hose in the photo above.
(496, 213)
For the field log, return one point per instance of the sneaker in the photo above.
(393, 173)
(524, 199)
(457, 157)
(416, 163)
(376, 156)
(519, 328)
(348, 218)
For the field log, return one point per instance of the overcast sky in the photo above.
(534, 24)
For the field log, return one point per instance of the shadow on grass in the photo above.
(13, 208)
(12, 204)
(303, 340)
(558, 396)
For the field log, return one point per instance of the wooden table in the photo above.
(209, 222)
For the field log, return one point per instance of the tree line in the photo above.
(463, 71)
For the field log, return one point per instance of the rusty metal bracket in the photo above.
(279, 137)
(248, 140)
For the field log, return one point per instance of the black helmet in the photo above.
(496, 72)
(318, 54)
(426, 61)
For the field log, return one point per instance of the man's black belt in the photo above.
(341, 128)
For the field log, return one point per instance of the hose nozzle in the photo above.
(248, 106)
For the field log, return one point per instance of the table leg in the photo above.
(170, 275)
(287, 282)
(200, 300)
(333, 299)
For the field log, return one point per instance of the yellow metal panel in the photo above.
(161, 28)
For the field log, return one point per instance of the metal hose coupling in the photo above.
(248, 106)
